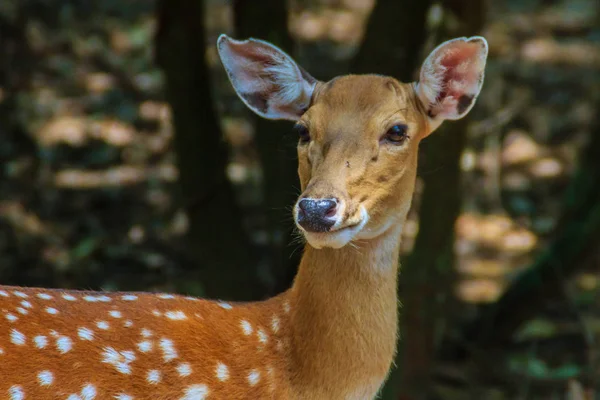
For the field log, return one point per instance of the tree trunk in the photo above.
(218, 241)
(267, 20)
(393, 40)
(428, 273)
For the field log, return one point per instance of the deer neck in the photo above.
(344, 314)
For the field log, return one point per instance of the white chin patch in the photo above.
(339, 238)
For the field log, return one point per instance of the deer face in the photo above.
(357, 158)
(358, 134)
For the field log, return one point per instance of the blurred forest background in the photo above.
(128, 163)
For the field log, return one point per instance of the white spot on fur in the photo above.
(275, 324)
(85, 334)
(123, 396)
(184, 369)
(246, 327)
(93, 299)
(45, 378)
(286, 307)
(146, 333)
(166, 296)
(176, 315)
(20, 294)
(115, 314)
(88, 392)
(128, 323)
(16, 393)
(44, 296)
(119, 359)
(51, 310)
(153, 376)
(253, 377)
(195, 392)
(156, 313)
(168, 349)
(68, 297)
(17, 337)
(145, 346)
(40, 342)
(262, 336)
(222, 372)
(3, 293)
(64, 344)
(225, 305)
(103, 325)
(22, 310)
(26, 304)
(11, 317)
(129, 297)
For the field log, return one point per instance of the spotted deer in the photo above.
(332, 335)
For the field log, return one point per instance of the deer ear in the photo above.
(451, 78)
(267, 80)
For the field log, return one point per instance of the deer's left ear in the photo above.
(451, 78)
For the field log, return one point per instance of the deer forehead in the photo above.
(359, 105)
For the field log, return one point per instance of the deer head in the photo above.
(358, 134)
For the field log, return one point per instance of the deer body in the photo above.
(332, 335)
(161, 346)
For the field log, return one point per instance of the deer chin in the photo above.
(339, 236)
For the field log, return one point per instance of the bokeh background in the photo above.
(128, 163)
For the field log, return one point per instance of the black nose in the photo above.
(317, 215)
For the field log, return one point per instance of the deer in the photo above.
(333, 334)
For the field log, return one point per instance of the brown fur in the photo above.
(337, 325)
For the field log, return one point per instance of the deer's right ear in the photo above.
(266, 78)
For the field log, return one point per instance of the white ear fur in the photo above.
(451, 78)
(265, 78)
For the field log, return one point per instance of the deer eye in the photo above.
(302, 132)
(396, 134)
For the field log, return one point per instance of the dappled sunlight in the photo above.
(154, 111)
(479, 290)
(99, 82)
(482, 268)
(480, 228)
(546, 168)
(344, 24)
(489, 249)
(546, 50)
(238, 131)
(518, 240)
(116, 176)
(588, 281)
(77, 131)
(114, 132)
(25, 220)
(70, 130)
(409, 234)
(519, 147)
